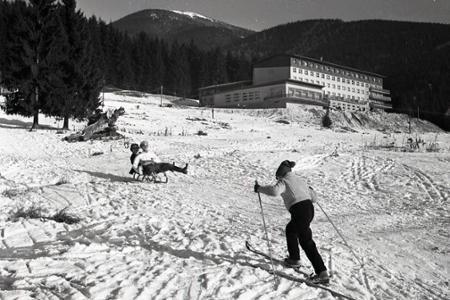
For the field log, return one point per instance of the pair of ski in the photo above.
(291, 277)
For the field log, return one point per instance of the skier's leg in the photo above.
(305, 238)
(292, 241)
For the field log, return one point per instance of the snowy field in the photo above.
(186, 239)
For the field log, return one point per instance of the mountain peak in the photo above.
(181, 26)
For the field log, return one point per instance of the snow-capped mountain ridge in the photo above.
(192, 14)
(182, 26)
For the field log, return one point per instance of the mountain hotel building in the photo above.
(282, 79)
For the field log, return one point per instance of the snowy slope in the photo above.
(185, 239)
(192, 14)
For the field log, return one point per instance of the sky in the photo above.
(262, 14)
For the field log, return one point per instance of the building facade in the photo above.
(285, 78)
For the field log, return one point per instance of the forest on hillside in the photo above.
(59, 60)
(414, 57)
(87, 54)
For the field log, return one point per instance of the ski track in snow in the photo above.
(185, 239)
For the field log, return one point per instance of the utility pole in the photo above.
(162, 89)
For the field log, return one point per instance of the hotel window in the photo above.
(334, 86)
(323, 75)
(353, 82)
(338, 87)
(348, 89)
(323, 83)
(300, 71)
(333, 78)
(338, 79)
(295, 70)
(317, 74)
(306, 72)
(353, 90)
(317, 82)
(328, 85)
(328, 76)
(348, 81)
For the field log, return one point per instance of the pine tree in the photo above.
(32, 56)
(77, 73)
(3, 38)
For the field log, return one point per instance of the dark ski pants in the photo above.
(298, 231)
(161, 168)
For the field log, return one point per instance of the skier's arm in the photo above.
(273, 190)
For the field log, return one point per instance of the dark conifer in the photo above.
(32, 56)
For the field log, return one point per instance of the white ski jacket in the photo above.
(292, 188)
(145, 157)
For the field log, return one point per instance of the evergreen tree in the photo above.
(79, 72)
(3, 39)
(33, 54)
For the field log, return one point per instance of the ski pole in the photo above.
(342, 237)
(267, 235)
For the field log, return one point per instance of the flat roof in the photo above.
(319, 62)
(226, 85)
(233, 84)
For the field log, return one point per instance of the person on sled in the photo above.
(297, 198)
(145, 162)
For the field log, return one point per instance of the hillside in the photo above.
(185, 239)
(181, 26)
(415, 57)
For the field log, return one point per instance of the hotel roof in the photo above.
(239, 85)
(277, 60)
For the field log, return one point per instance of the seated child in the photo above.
(147, 164)
(134, 148)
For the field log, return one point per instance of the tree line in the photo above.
(56, 61)
(414, 57)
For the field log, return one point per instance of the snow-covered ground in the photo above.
(185, 239)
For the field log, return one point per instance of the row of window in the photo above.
(246, 96)
(334, 86)
(333, 70)
(348, 106)
(303, 93)
(344, 96)
(334, 78)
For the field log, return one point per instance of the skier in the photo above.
(297, 199)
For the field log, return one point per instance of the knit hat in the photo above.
(284, 168)
(144, 144)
